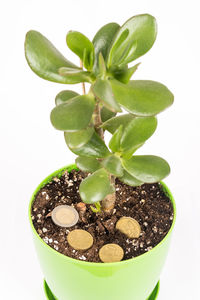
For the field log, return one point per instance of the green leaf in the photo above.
(73, 115)
(103, 92)
(106, 114)
(133, 40)
(64, 96)
(95, 187)
(95, 147)
(147, 168)
(130, 180)
(102, 42)
(45, 60)
(128, 154)
(82, 47)
(78, 138)
(113, 124)
(87, 164)
(97, 208)
(124, 74)
(115, 141)
(142, 97)
(113, 165)
(137, 132)
(79, 75)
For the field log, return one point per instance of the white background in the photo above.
(31, 148)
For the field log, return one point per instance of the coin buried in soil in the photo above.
(65, 216)
(129, 226)
(80, 239)
(111, 253)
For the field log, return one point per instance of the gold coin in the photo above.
(111, 253)
(129, 226)
(80, 239)
(65, 216)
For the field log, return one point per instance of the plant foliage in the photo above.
(105, 62)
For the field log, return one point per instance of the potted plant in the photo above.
(102, 227)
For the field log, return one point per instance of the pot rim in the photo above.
(86, 263)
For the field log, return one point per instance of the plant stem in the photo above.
(83, 84)
(97, 120)
(109, 202)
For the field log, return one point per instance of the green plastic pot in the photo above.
(70, 279)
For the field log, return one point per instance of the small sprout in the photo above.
(97, 208)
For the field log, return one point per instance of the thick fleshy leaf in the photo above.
(102, 42)
(79, 75)
(95, 147)
(113, 165)
(137, 132)
(115, 141)
(113, 124)
(103, 92)
(88, 164)
(73, 115)
(147, 168)
(95, 187)
(133, 40)
(45, 60)
(142, 97)
(82, 47)
(130, 180)
(106, 114)
(78, 138)
(128, 154)
(124, 74)
(64, 96)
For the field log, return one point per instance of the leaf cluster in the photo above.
(105, 66)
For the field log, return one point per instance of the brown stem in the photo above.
(109, 202)
(97, 120)
(83, 84)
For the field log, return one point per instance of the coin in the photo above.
(80, 239)
(129, 226)
(111, 253)
(65, 216)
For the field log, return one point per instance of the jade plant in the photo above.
(84, 119)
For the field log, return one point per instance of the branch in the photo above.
(83, 83)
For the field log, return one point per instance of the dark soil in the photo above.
(148, 204)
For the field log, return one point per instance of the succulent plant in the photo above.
(85, 118)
